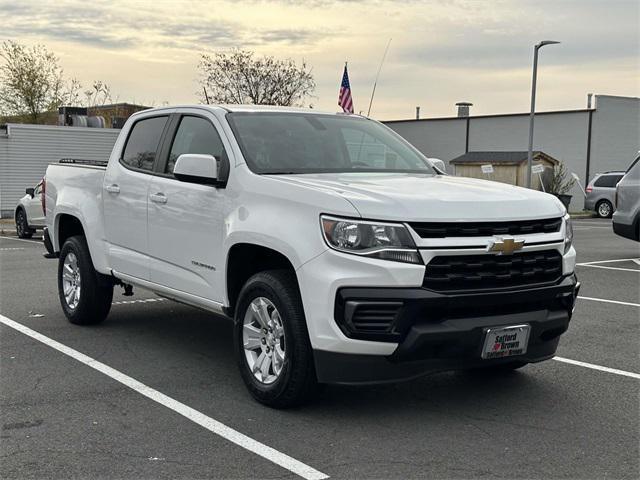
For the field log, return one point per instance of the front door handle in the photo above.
(158, 197)
(112, 188)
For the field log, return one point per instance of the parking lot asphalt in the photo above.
(62, 418)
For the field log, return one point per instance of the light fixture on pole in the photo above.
(533, 105)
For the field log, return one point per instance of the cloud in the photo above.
(442, 50)
(589, 32)
(111, 27)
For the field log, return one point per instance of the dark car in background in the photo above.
(601, 193)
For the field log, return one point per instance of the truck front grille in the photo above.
(481, 272)
(485, 229)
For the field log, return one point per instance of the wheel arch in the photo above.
(245, 260)
(67, 225)
(18, 208)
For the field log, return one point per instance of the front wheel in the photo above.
(22, 227)
(272, 344)
(85, 297)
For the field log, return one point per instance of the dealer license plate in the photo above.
(503, 342)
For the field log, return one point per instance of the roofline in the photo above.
(247, 109)
(493, 115)
(536, 154)
(121, 104)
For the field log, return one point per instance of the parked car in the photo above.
(341, 253)
(29, 214)
(601, 193)
(626, 220)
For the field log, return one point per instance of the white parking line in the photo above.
(604, 300)
(228, 433)
(615, 371)
(610, 261)
(609, 268)
(10, 248)
(32, 242)
(583, 227)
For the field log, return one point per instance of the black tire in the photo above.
(96, 293)
(22, 227)
(297, 383)
(607, 209)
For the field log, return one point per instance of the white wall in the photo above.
(561, 135)
(27, 150)
(615, 133)
(444, 139)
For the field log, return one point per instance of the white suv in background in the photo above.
(29, 214)
(626, 220)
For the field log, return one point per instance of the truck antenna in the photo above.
(375, 82)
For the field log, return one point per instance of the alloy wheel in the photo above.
(71, 281)
(604, 209)
(263, 340)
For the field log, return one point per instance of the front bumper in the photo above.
(629, 231)
(436, 332)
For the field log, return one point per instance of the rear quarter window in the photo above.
(143, 143)
(608, 181)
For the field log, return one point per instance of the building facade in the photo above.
(602, 138)
(26, 150)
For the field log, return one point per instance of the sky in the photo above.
(441, 51)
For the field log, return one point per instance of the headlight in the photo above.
(387, 241)
(568, 233)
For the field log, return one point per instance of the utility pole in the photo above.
(533, 105)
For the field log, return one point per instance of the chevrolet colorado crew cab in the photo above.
(342, 254)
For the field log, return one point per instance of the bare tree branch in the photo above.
(240, 77)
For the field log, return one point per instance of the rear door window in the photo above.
(143, 143)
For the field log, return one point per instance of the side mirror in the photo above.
(196, 168)
(30, 192)
(439, 165)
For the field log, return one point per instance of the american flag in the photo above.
(344, 98)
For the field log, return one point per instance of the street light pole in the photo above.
(533, 105)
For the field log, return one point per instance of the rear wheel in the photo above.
(22, 227)
(84, 295)
(271, 341)
(604, 209)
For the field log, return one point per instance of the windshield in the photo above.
(277, 142)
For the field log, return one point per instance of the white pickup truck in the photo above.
(341, 252)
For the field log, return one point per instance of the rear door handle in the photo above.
(158, 197)
(112, 188)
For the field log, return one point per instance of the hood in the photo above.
(417, 197)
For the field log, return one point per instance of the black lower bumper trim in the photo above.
(627, 231)
(433, 343)
(352, 369)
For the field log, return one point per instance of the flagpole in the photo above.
(375, 82)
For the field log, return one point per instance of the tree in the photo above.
(559, 184)
(31, 81)
(99, 94)
(239, 77)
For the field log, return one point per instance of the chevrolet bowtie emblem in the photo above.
(505, 246)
